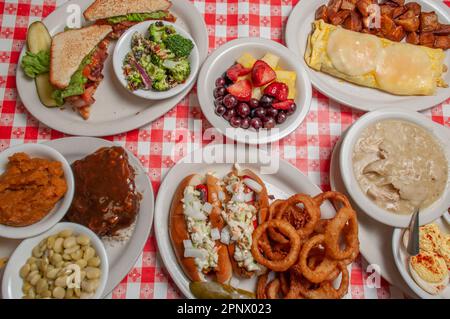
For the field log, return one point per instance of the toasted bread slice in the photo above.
(103, 9)
(68, 50)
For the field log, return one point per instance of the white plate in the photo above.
(123, 47)
(299, 27)
(121, 255)
(374, 237)
(60, 208)
(115, 110)
(223, 58)
(12, 282)
(438, 132)
(286, 181)
(401, 260)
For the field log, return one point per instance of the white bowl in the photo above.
(223, 58)
(12, 282)
(441, 134)
(123, 46)
(61, 207)
(401, 259)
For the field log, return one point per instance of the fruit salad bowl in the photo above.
(254, 90)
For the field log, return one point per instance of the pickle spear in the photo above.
(214, 290)
(38, 39)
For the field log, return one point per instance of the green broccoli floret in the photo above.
(155, 73)
(161, 85)
(178, 45)
(178, 70)
(159, 32)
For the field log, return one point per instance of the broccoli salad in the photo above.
(159, 61)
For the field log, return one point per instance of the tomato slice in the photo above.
(203, 191)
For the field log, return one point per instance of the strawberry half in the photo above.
(236, 71)
(262, 73)
(242, 90)
(278, 90)
(285, 105)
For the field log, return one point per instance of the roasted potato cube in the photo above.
(387, 10)
(387, 25)
(338, 18)
(349, 5)
(398, 11)
(399, 2)
(364, 7)
(442, 42)
(334, 6)
(408, 21)
(428, 21)
(415, 7)
(427, 39)
(412, 38)
(397, 35)
(444, 29)
(322, 13)
(353, 22)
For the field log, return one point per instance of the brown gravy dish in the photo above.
(105, 199)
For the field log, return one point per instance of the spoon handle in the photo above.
(413, 241)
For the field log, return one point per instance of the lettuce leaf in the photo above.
(35, 64)
(139, 17)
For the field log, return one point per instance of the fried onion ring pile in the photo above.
(308, 255)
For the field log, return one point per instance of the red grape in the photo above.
(229, 101)
(243, 109)
(260, 112)
(220, 110)
(253, 103)
(220, 82)
(256, 123)
(292, 109)
(219, 92)
(245, 122)
(235, 121)
(266, 101)
(229, 114)
(269, 122)
(281, 118)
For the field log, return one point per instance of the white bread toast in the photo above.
(103, 9)
(68, 50)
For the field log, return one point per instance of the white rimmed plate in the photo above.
(299, 27)
(223, 58)
(441, 135)
(287, 180)
(60, 208)
(123, 47)
(122, 255)
(115, 110)
(12, 283)
(401, 261)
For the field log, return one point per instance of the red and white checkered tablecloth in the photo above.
(308, 148)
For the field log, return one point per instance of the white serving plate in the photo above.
(223, 58)
(285, 182)
(60, 208)
(12, 282)
(438, 132)
(121, 255)
(299, 27)
(115, 110)
(401, 261)
(123, 47)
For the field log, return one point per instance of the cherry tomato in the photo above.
(203, 191)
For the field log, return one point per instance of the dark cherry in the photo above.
(220, 91)
(269, 122)
(220, 110)
(245, 122)
(243, 109)
(253, 103)
(271, 112)
(256, 123)
(260, 112)
(229, 101)
(229, 114)
(292, 109)
(220, 82)
(235, 121)
(218, 102)
(281, 117)
(266, 101)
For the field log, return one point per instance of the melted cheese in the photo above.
(405, 69)
(353, 53)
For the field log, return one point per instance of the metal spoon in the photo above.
(413, 247)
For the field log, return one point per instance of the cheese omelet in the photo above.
(370, 61)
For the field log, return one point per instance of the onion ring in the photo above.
(273, 289)
(321, 271)
(333, 231)
(286, 229)
(273, 211)
(335, 198)
(261, 286)
(284, 282)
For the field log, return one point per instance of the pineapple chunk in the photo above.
(256, 93)
(246, 60)
(271, 60)
(245, 77)
(289, 78)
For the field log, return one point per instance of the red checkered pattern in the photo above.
(308, 148)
